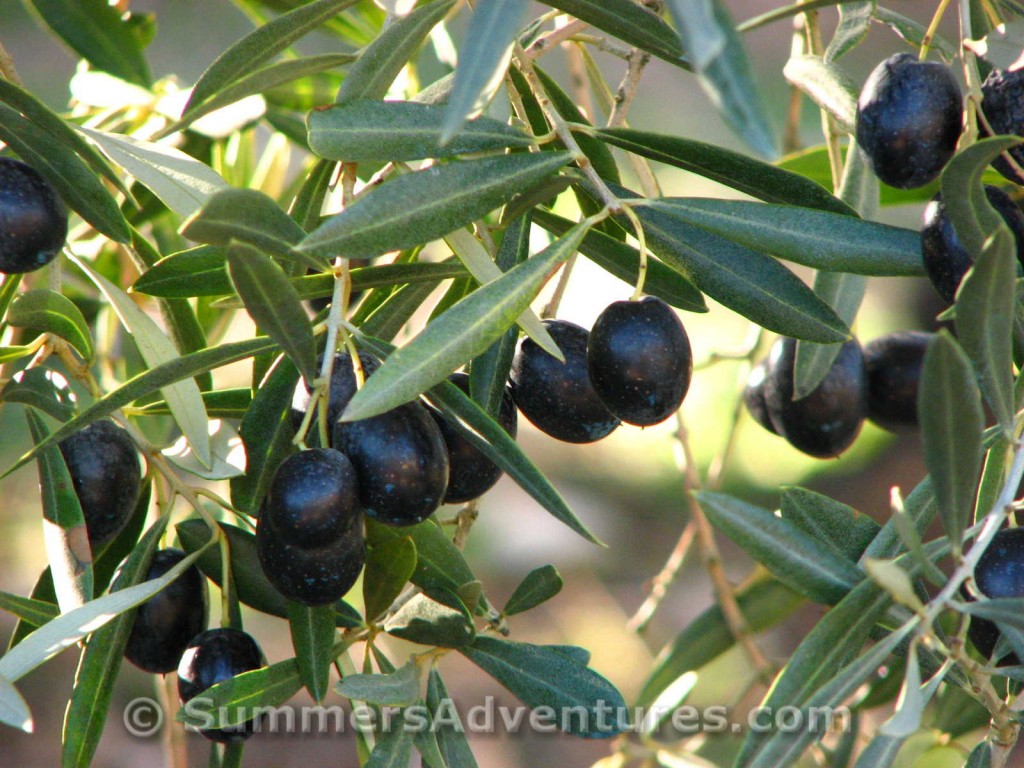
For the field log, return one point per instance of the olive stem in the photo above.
(712, 558)
(551, 39)
(828, 123)
(610, 201)
(465, 519)
(551, 308)
(636, 61)
(933, 27)
(175, 747)
(659, 586)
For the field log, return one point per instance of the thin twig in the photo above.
(553, 39)
(712, 559)
(660, 584)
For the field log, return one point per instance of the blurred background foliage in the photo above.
(627, 488)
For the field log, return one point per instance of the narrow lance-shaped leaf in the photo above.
(419, 207)
(180, 181)
(400, 688)
(274, 305)
(749, 282)
(949, 411)
(826, 86)
(14, 709)
(634, 24)
(733, 169)
(263, 80)
(984, 323)
(250, 217)
(539, 586)
(67, 543)
(844, 293)
(365, 130)
(389, 566)
(51, 312)
(540, 676)
(464, 331)
(96, 31)
(261, 45)
(67, 629)
(451, 737)
(481, 266)
(854, 21)
(394, 749)
(313, 640)
(381, 61)
(228, 702)
(717, 55)
(101, 661)
(183, 397)
(972, 216)
(792, 556)
(483, 59)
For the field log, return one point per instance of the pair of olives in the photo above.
(635, 365)
(879, 382)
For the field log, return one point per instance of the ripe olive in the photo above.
(212, 657)
(999, 573)
(313, 498)
(400, 460)
(318, 575)
(946, 261)
(1002, 102)
(104, 468)
(909, 117)
(825, 422)
(342, 389)
(559, 398)
(893, 363)
(164, 624)
(753, 397)
(33, 219)
(639, 360)
(470, 473)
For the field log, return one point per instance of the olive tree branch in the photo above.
(712, 559)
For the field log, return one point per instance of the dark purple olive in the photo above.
(999, 573)
(315, 575)
(104, 468)
(639, 360)
(212, 657)
(893, 363)
(909, 117)
(1002, 102)
(343, 386)
(470, 473)
(33, 219)
(313, 498)
(164, 624)
(559, 398)
(946, 261)
(825, 422)
(401, 463)
(753, 397)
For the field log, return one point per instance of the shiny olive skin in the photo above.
(893, 363)
(104, 468)
(828, 420)
(1002, 102)
(401, 462)
(999, 573)
(316, 575)
(946, 261)
(909, 117)
(313, 498)
(470, 473)
(343, 386)
(640, 361)
(165, 624)
(212, 657)
(559, 398)
(33, 219)
(753, 397)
